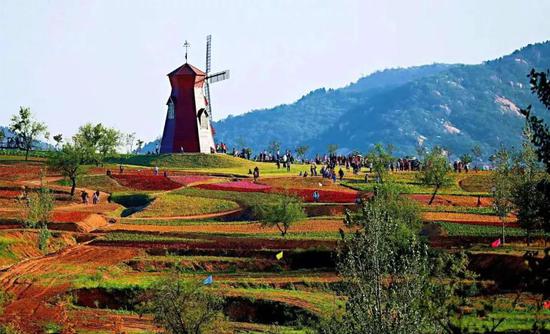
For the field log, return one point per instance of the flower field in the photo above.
(145, 182)
(240, 186)
(189, 180)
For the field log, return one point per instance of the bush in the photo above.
(131, 199)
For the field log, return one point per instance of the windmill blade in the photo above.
(208, 53)
(209, 102)
(220, 76)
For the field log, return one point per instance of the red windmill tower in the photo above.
(188, 125)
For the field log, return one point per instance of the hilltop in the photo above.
(456, 106)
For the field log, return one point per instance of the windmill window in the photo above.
(170, 110)
(203, 119)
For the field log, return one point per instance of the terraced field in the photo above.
(198, 221)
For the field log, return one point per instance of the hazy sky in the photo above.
(106, 61)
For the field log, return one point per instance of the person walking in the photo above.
(84, 196)
(95, 197)
(256, 173)
(341, 174)
(316, 196)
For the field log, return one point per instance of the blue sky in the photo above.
(106, 61)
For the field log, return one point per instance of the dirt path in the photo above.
(32, 303)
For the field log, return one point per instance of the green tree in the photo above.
(96, 142)
(43, 236)
(466, 158)
(301, 151)
(526, 195)
(380, 158)
(386, 277)
(38, 207)
(332, 148)
(184, 308)
(540, 85)
(503, 181)
(27, 130)
(274, 146)
(2, 136)
(435, 171)
(68, 161)
(58, 140)
(139, 145)
(281, 214)
(477, 153)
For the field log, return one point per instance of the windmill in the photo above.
(188, 125)
(211, 78)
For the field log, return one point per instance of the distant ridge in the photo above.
(455, 106)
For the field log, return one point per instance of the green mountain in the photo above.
(455, 106)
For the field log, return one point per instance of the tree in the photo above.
(184, 308)
(302, 150)
(435, 172)
(386, 277)
(503, 182)
(68, 161)
(332, 148)
(526, 196)
(274, 146)
(58, 140)
(477, 153)
(466, 158)
(129, 141)
(281, 215)
(38, 207)
(139, 145)
(27, 130)
(540, 85)
(2, 136)
(380, 158)
(96, 142)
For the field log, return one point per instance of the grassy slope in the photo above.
(204, 163)
(180, 205)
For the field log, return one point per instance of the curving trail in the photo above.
(32, 303)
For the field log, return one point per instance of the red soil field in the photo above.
(240, 186)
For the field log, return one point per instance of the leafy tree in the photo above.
(43, 236)
(2, 136)
(139, 145)
(477, 153)
(503, 180)
(68, 161)
(281, 215)
(184, 308)
(129, 139)
(274, 146)
(527, 197)
(38, 207)
(435, 172)
(96, 142)
(332, 148)
(27, 130)
(540, 85)
(380, 159)
(58, 140)
(466, 158)
(388, 285)
(302, 150)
